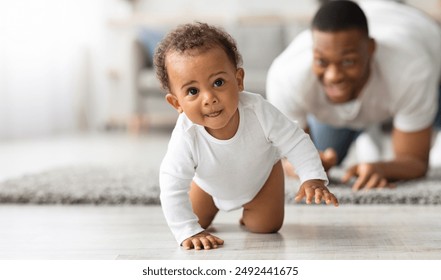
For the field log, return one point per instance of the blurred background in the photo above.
(76, 80)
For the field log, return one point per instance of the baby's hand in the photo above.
(317, 189)
(202, 240)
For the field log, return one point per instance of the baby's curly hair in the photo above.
(193, 36)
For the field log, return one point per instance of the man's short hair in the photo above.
(340, 15)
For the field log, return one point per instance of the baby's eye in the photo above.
(218, 83)
(192, 91)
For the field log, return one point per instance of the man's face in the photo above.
(342, 62)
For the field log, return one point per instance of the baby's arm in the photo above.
(175, 176)
(315, 188)
(202, 240)
(294, 144)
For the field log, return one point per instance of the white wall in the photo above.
(50, 63)
(55, 57)
(232, 8)
(215, 8)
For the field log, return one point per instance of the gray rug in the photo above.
(138, 185)
(84, 185)
(419, 191)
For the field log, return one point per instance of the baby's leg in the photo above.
(265, 213)
(203, 205)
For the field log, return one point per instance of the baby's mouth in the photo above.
(214, 114)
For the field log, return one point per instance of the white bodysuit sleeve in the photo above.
(292, 142)
(176, 173)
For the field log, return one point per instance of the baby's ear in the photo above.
(173, 101)
(240, 75)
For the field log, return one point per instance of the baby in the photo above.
(226, 148)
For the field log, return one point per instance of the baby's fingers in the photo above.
(214, 242)
(331, 199)
(310, 193)
(300, 195)
(326, 196)
(197, 243)
(319, 195)
(202, 240)
(191, 243)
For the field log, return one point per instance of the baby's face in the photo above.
(206, 86)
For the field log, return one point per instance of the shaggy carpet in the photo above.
(138, 185)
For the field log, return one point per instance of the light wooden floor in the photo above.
(140, 233)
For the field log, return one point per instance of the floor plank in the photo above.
(140, 233)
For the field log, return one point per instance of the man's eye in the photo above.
(219, 83)
(192, 91)
(347, 62)
(320, 62)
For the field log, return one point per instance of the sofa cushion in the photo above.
(149, 39)
(255, 80)
(259, 43)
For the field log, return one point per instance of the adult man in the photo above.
(343, 76)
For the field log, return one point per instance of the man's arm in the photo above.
(411, 161)
(411, 154)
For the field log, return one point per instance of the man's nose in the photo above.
(333, 73)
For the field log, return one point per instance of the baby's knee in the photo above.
(263, 226)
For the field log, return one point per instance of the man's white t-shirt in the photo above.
(404, 80)
(232, 171)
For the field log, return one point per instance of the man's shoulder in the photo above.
(291, 70)
(300, 48)
(400, 65)
(401, 25)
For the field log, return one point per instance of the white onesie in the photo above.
(232, 171)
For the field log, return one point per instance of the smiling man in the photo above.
(361, 65)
